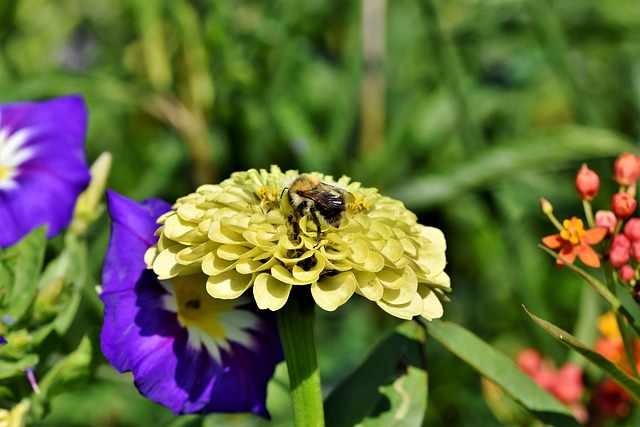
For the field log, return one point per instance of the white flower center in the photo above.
(12, 155)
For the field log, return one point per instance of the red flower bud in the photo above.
(626, 273)
(619, 254)
(623, 205)
(626, 169)
(621, 241)
(618, 257)
(587, 183)
(606, 219)
(634, 250)
(632, 229)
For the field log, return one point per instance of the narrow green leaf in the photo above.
(21, 268)
(630, 384)
(601, 288)
(77, 274)
(11, 368)
(502, 371)
(388, 389)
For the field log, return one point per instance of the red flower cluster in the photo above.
(623, 244)
(609, 398)
(625, 247)
(565, 383)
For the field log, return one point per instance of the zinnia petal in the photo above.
(43, 168)
(256, 235)
(187, 350)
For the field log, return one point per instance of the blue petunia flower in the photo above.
(187, 350)
(43, 167)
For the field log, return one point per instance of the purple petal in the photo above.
(140, 334)
(50, 178)
(3, 340)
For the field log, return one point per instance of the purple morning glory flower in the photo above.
(187, 350)
(42, 165)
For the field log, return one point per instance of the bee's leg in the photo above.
(316, 221)
(295, 228)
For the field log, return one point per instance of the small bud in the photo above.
(626, 169)
(634, 250)
(621, 241)
(618, 256)
(546, 207)
(606, 219)
(86, 209)
(626, 273)
(587, 183)
(632, 229)
(623, 205)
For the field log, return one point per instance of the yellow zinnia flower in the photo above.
(244, 233)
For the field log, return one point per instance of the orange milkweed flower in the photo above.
(574, 241)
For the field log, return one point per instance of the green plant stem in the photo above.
(588, 213)
(296, 323)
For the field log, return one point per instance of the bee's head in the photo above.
(303, 183)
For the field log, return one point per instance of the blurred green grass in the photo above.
(472, 111)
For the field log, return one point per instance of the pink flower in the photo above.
(568, 386)
(634, 250)
(626, 273)
(606, 219)
(564, 383)
(632, 229)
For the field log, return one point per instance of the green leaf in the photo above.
(510, 159)
(630, 384)
(70, 267)
(601, 288)
(388, 389)
(12, 368)
(20, 267)
(502, 371)
(72, 371)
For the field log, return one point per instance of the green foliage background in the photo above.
(487, 106)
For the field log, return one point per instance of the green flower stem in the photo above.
(588, 213)
(296, 323)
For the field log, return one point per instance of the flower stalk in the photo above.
(296, 324)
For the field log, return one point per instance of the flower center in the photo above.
(197, 308)
(12, 155)
(269, 197)
(573, 231)
(359, 205)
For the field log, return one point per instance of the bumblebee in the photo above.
(308, 196)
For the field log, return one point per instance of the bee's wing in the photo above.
(325, 194)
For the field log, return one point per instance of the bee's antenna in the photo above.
(281, 194)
